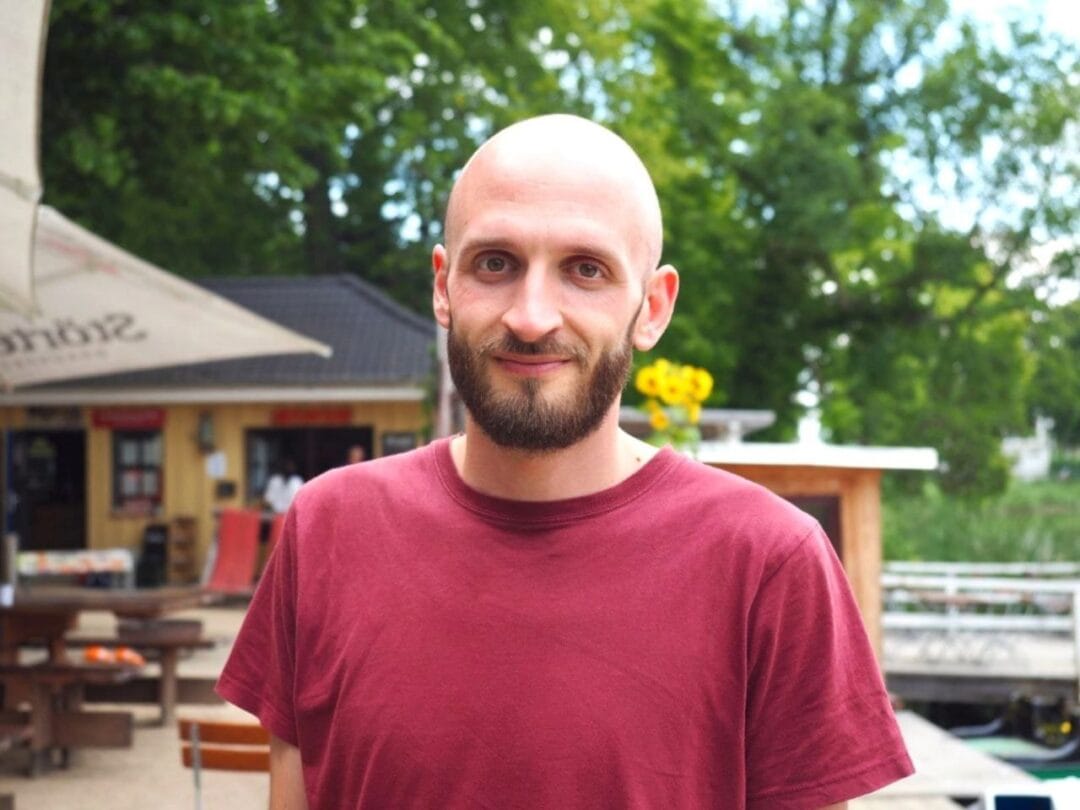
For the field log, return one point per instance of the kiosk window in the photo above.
(137, 484)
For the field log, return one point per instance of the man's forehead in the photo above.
(562, 136)
(552, 153)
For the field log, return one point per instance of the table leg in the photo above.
(41, 724)
(167, 691)
(71, 701)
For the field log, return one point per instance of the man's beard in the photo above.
(525, 419)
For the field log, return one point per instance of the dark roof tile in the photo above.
(375, 340)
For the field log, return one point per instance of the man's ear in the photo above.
(661, 290)
(440, 300)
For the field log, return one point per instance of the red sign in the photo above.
(292, 417)
(128, 418)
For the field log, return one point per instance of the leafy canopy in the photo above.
(854, 190)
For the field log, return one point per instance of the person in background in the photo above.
(282, 487)
(356, 454)
(545, 612)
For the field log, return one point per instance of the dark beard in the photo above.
(525, 420)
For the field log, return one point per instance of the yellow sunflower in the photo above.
(659, 420)
(648, 381)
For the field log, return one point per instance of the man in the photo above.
(282, 487)
(545, 612)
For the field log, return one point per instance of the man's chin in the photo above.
(531, 440)
(538, 449)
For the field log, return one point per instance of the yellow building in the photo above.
(92, 463)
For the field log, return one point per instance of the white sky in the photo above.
(1061, 16)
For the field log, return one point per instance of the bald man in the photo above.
(545, 612)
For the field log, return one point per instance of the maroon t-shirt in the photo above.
(684, 639)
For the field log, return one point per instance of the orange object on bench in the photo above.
(237, 552)
(100, 654)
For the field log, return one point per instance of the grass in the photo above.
(1030, 522)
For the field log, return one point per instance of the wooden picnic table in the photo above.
(143, 603)
(54, 688)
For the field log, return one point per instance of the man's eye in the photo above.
(588, 270)
(493, 264)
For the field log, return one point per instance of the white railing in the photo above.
(1013, 569)
(961, 602)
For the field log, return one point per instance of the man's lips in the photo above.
(530, 365)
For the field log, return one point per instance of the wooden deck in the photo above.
(978, 667)
(946, 768)
(903, 803)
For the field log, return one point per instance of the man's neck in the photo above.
(599, 461)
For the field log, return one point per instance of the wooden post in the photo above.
(168, 690)
(860, 517)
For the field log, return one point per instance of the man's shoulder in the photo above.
(732, 493)
(752, 531)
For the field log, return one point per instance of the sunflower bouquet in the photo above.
(674, 394)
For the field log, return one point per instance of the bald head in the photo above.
(538, 153)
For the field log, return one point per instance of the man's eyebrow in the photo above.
(478, 244)
(593, 250)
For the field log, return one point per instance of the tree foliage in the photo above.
(853, 189)
(1055, 339)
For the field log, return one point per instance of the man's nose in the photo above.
(534, 311)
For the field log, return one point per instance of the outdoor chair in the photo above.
(222, 746)
(236, 555)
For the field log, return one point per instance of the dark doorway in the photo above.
(826, 509)
(46, 488)
(313, 450)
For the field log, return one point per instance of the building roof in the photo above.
(818, 454)
(375, 341)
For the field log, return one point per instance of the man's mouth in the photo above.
(530, 365)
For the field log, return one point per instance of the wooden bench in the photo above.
(164, 641)
(55, 694)
(155, 648)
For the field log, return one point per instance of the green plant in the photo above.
(1037, 522)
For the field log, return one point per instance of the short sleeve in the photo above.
(259, 674)
(820, 728)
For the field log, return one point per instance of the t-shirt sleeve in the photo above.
(259, 674)
(820, 728)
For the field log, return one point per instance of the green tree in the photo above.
(1055, 386)
(807, 157)
(853, 188)
(157, 123)
(241, 136)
